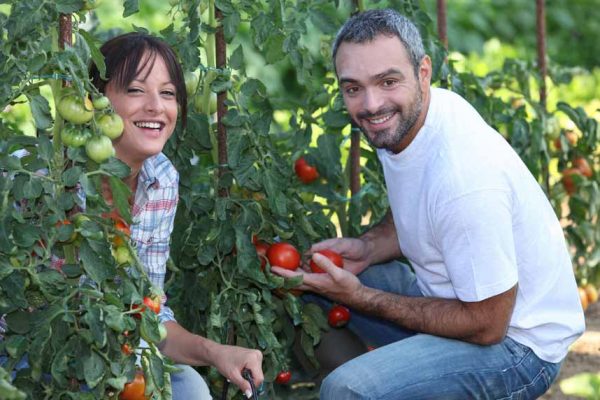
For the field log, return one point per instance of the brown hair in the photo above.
(124, 58)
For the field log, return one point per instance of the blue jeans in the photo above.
(419, 366)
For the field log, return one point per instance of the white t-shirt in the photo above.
(473, 222)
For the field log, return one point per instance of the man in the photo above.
(489, 306)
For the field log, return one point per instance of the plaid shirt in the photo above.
(153, 215)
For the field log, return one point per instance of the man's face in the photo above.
(382, 94)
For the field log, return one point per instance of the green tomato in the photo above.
(99, 148)
(90, 4)
(200, 107)
(100, 103)
(74, 137)
(162, 330)
(75, 110)
(191, 82)
(122, 255)
(110, 125)
(552, 128)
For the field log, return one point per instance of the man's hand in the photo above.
(336, 283)
(354, 252)
(232, 360)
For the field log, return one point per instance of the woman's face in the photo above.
(148, 107)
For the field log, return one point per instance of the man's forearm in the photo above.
(382, 241)
(483, 322)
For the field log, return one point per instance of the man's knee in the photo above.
(338, 385)
(188, 384)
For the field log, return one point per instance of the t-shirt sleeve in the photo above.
(475, 234)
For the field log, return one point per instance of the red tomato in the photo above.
(284, 255)
(152, 304)
(338, 316)
(333, 257)
(126, 349)
(305, 172)
(582, 165)
(283, 377)
(261, 252)
(567, 179)
(135, 389)
(121, 226)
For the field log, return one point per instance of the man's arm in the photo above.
(381, 241)
(483, 322)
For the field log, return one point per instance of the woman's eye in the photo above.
(169, 92)
(133, 90)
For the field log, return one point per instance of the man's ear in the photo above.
(425, 72)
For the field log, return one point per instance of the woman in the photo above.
(146, 88)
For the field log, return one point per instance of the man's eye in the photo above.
(351, 90)
(389, 82)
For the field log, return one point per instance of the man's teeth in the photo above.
(380, 120)
(151, 125)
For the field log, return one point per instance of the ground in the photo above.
(584, 355)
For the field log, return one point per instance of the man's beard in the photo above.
(384, 139)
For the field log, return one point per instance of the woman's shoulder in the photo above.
(163, 170)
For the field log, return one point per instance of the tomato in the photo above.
(333, 257)
(583, 166)
(122, 255)
(552, 128)
(583, 298)
(99, 148)
(591, 292)
(90, 4)
(74, 137)
(73, 109)
(261, 252)
(284, 255)
(191, 82)
(153, 304)
(126, 349)
(122, 227)
(100, 103)
(567, 179)
(162, 331)
(200, 107)
(571, 137)
(110, 125)
(135, 389)
(338, 316)
(305, 172)
(283, 377)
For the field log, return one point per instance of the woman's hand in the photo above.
(232, 360)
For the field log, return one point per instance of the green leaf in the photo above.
(199, 126)
(97, 56)
(116, 167)
(98, 266)
(71, 176)
(19, 321)
(130, 7)
(236, 60)
(68, 6)
(93, 369)
(40, 109)
(121, 193)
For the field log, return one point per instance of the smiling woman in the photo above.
(146, 88)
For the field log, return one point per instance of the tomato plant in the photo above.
(338, 316)
(305, 172)
(283, 377)
(283, 255)
(334, 257)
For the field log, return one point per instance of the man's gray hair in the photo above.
(366, 26)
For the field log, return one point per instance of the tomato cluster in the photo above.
(89, 123)
(570, 176)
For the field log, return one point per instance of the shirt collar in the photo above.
(148, 177)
